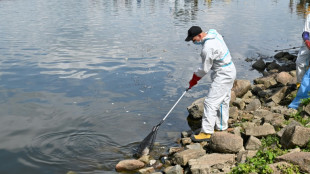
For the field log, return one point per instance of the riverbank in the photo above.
(264, 136)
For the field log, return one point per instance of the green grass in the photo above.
(269, 150)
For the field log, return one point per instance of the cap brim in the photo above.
(188, 38)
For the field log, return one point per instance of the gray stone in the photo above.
(253, 143)
(147, 170)
(255, 104)
(307, 109)
(194, 146)
(284, 78)
(260, 131)
(239, 103)
(295, 136)
(261, 113)
(279, 95)
(233, 112)
(195, 110)
(241, 87)
(302, 159)
(183, 157)
(226, 143)
(177, 169)
(129, 165)
(206, 163)
(280, 167)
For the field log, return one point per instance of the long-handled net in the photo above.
(148, 142)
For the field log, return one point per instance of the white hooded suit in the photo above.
(216, 56)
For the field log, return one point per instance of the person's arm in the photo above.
(204, 68)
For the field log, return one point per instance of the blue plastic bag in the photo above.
(303, 91)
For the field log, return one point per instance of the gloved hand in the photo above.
(193, 81)
(305, 35)
(307, 42)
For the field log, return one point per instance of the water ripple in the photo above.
(82, 150)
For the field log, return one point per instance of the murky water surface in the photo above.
(82, 81)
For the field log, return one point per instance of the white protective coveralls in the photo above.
(216, 56)
(303, 58)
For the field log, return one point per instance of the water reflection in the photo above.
(300, 6)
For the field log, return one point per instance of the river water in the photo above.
(83, 81)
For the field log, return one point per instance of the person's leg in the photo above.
(302, 62)
(223, 114)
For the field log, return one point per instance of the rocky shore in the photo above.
(264, 136)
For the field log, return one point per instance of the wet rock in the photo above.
(302, 159)
(295, 136)
(195, 110)
(129, 165)
(259, 65)
(280, 55)
(241, 87)
(273, 65)
(226, 143)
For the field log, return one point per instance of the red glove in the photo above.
(307, 42)
(194, 81)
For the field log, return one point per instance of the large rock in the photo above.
(280, 167)
(302, 159)
(129, 165)
(295, 136)
(268, 81)
(284, 78)
(253, 143)
(177, 169)
(279, 95)
(210, 162)
(259, 65)
(195, 110)
(241, 87)
(253, 105)
(183, 157)
(226, 143)
(259, 131)
(292, 124)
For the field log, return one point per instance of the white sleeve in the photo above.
(206, 64)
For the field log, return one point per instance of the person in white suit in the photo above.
(303, 58)
(215, 56)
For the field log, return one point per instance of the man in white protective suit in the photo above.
(303, 58)
(215, 56)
